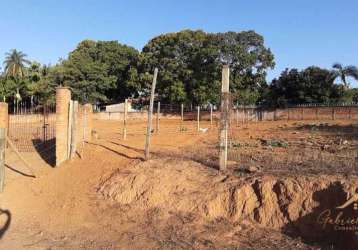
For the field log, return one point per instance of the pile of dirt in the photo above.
(292, 205)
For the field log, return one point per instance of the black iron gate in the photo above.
(33, 129)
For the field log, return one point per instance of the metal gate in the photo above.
(33, 129)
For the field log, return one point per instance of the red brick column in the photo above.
(63, 98)
(4, 115)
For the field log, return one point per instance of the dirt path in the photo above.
(61, 201)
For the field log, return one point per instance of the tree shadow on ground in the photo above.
(349, 132)
(116, 152)
(46, 150)
(6, 225)
(19, 172)
(311, 228)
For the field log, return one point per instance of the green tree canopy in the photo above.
(344, 72)
(190, 64)
(99, 71)
(312, 85)
(15, 63)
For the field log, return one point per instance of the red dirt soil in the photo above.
(111, 199)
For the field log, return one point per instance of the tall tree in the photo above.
(344, 72)
(15, 63)
(312, 85)
(102, 71)
(190, 64)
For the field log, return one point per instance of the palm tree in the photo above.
(15, 62)
(345, 72)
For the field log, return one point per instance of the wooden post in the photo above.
(237, 116)
(349, 113)
(198, 118)
(150, 111)
(12, 146)
(288, 114)
(333, 113)
(69, 129)
(2, 158)
(158, 114)
(84, 123)
(301, 113)
(211, 115)
(224, 118)
(182, 116)
(125, 119)
(74, 129)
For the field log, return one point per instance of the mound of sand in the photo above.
(188, 187)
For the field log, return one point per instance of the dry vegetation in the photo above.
(281, 175)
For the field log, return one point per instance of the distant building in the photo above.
(119, 107)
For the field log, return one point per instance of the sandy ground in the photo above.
(67, 208)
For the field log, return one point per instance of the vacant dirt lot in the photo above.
(281, 176)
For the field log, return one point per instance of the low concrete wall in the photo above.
(299, 113)
(248, 114)
(143, 115)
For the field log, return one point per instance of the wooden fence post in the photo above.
(2, 158)
(74, 130)
(69, 129)
(158, 114)
(125, 119)
(198, 118)
(288, 114)
(150, 111)
(350, 113)
(182, 116)
(302, 111)
(211, 115)
(237, 116)
(84, 127)
(224, 118)
(333, 113)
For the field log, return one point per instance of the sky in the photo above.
(300, 33)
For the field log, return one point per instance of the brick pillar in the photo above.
(4, 115)
(89, 121)
(63, 98)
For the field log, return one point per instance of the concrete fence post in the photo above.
(63, 98)
(150, 113)
(224, 118)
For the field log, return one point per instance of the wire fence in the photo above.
(281, 154)
(33, 130)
